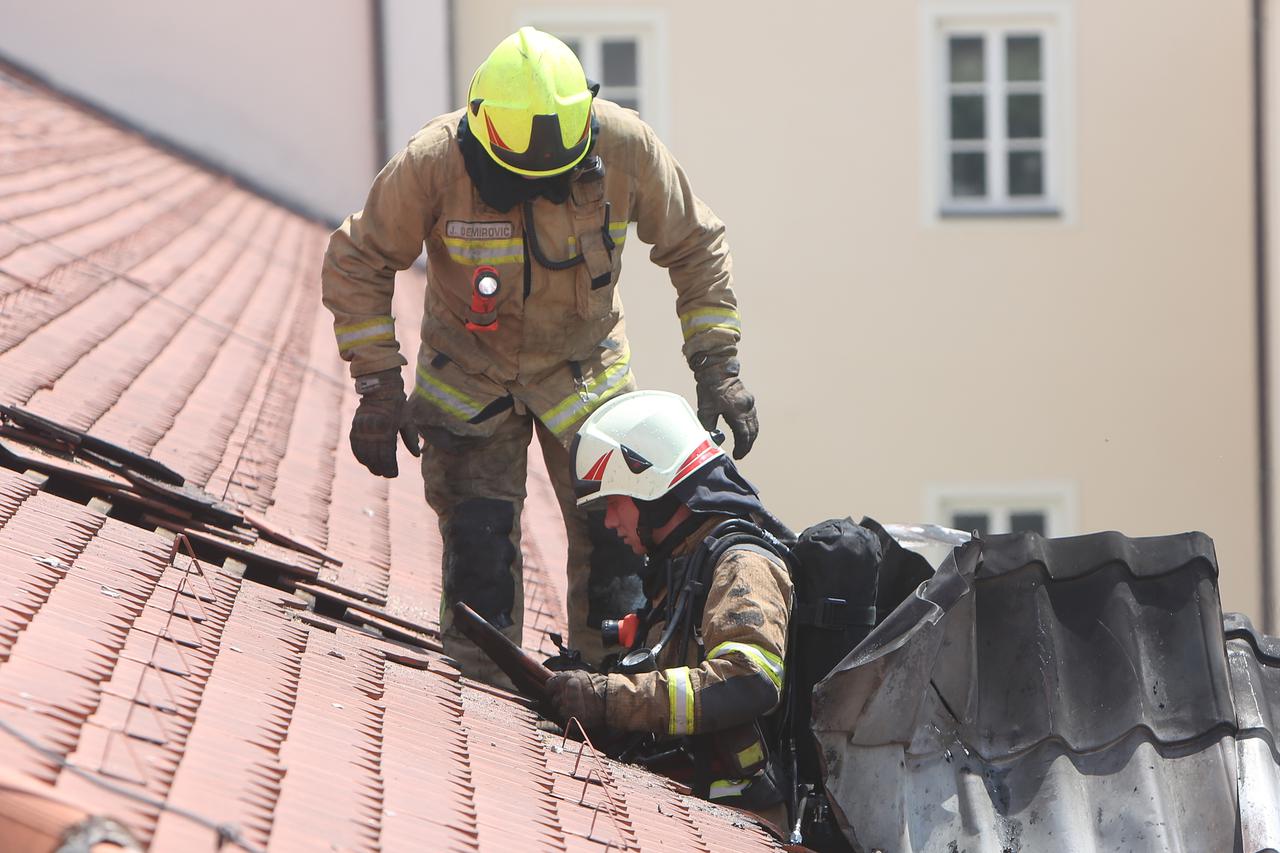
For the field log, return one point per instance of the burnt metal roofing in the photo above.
(1071, 694)
(248, 654)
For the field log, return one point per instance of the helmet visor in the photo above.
(546, 154)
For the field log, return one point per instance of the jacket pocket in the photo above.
(597, 276)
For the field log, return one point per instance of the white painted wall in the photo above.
(280, 92)
(417, 65)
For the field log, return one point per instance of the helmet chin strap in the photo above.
(657, 512)
(646, 538)
(678, 534)
(654, 515)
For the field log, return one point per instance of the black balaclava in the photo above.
(716, 489)
(503, 189)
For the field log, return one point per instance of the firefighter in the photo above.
(523, 199)
(717, 664)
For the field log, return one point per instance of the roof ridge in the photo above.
(29, 78)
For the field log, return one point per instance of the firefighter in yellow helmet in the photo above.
(523, 199)
(707, 657)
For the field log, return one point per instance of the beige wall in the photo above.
(1111, 351)
(279, 91)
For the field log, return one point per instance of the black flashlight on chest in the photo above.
(483, 316)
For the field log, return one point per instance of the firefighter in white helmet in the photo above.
(523, 198)
(707, 658)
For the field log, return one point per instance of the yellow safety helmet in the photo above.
(529, 105)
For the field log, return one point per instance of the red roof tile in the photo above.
(158, 306)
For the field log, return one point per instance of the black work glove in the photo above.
(578, 694)
(377, 421)
(721, 393)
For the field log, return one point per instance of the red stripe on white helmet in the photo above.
(597, 470)
(700, 456)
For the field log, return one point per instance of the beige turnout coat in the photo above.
(559, 348)
(737, 674)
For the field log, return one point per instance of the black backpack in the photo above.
(847, 577)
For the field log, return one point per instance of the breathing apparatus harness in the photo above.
(690, 575)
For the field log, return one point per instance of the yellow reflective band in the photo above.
(485, 256)
(617, 230)
(365, 332)
(680, 695)
(708, 319)
(727, 788)
(465, 243)
(445, 396)
(751, 755)
(601, 387)
(767, 662)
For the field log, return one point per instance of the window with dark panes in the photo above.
(1024, 111)
(996, 136)
(1028, 522)
(613, 62)
(1047, 509)
(995, 517)
(967, 104)
(971, 522)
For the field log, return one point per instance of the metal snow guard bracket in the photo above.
(152, 478)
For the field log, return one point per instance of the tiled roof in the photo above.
(272, 675)
(1060, 694)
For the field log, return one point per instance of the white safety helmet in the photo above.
(640, 445)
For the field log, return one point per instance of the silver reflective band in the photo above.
(680, 696)
(728, 787)
(764, 661)
(367, 332)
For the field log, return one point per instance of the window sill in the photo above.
(1002, 212)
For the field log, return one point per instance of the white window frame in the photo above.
(591, 26)
(1051, 20)
(1000, 501)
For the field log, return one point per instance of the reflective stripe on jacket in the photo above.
(546, 319)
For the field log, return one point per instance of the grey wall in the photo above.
(280, 92)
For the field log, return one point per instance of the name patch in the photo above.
(480, 230)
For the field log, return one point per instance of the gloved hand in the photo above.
(578, 694)
(721, 392)
(377, 421)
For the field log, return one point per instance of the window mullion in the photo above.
(1001, 520)
(1048, 121)
(593, 57)
(945, 147)
(641, 70)
(997, 173)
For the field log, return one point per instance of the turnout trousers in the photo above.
(476, 486)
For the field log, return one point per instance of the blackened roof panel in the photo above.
(1094, 704)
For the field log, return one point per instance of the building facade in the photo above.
(996, 258)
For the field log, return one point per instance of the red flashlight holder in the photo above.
(483, 316)
(621, 632)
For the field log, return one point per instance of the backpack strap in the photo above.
(833, 613)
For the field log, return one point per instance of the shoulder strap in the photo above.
(739, 533)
